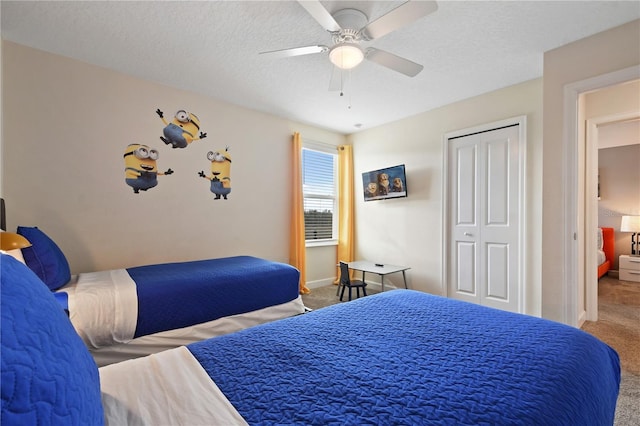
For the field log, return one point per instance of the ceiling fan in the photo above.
(350, 27)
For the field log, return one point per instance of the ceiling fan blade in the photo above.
(296, 51)
(399, 17)
(393, 62)
(320, 14)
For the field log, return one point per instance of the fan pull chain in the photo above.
(342, 84)
(350, 92)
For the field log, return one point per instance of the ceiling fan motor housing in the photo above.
(351, 21)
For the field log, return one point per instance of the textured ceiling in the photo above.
(212, 47)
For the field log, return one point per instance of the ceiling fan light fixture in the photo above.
(346, 55)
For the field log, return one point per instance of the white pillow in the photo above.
(17, 253)
(600, 239)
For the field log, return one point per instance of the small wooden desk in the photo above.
(365, 266)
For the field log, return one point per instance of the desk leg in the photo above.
(382, 283)
(405, 279)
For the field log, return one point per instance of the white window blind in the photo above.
(320, 195)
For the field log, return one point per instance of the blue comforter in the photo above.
(176, 295)
(47, 375)
(405, 357)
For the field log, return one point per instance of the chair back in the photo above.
(344, 274)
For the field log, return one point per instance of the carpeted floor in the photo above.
(326, 296)
(618, 322)
(618, 326)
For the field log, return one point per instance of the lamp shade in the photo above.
(346, 55)
(630, 224)
(11, 241)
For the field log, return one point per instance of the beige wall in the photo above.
(66, 126)
(609, 51)
(409, 231)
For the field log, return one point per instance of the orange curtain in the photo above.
(346, 209)
(297, 248)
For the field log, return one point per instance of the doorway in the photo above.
(577, 213)
(592, 195)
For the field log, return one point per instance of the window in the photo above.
(320, 194)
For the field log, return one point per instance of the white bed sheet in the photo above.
(106, 318)
(108, 313)
(145, 345)
(601, 257)
(169, 388)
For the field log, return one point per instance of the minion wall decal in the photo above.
(220, 173)
(140, 168)
(183, 129)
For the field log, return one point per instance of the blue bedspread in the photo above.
(405, 357)
(176, 295)
(47, 375)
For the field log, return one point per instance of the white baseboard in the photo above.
(370, 284)
(319, 283)
(378, 286)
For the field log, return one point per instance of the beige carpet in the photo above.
(618, 322)
(618, 326)
(326, 296)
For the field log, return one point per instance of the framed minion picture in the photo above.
(390, 182)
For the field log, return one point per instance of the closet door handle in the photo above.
(468, 234)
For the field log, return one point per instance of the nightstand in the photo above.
(629, 268)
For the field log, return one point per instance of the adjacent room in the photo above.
(181, 180)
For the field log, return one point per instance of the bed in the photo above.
(127, 313)
(606, 250)
(399, 357)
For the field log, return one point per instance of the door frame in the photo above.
(572, 180)
(521, 122)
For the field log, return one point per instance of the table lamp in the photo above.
(632, 224)
(11, 241)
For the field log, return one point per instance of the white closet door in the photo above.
(484, 173)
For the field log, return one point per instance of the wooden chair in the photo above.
(345, 282)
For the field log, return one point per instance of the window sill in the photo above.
(321, 243)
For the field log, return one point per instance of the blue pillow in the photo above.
(45, 258)
(48, 376)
